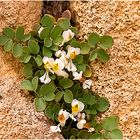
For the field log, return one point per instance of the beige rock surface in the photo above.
(119, 79)
(18, 119)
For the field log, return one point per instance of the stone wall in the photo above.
(18, 119)
(118, 79)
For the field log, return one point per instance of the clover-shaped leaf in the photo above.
(110, 123)
(8, 46)
(40, 104)
(33, 46)
(93, 39)
(48, 21)
(68, 96)
(102, 54)
(3, 39)
(9, 32)
(64, 23)
(66, 83)
(106, 42)
(17, 50)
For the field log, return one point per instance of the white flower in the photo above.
(73, 52)
(70, 66)
(87, 84)
(81, 116)
(45, 78)
(57, 67)
(67, 35)
(77, 76)
(63, 116)
(40, 30)
(47, 63)
(55, 128)
(72, 117)
(91, 129)
(77, 107)
(80, 124)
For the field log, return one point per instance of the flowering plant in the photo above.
(57, 71)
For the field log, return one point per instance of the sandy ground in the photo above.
(118, 79)
(18, 118)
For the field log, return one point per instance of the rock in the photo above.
(119, 79)
(18, 118)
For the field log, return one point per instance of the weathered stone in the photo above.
(18, 118)
(119, 79)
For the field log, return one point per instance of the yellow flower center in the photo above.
(75, 108)
(73, 55)
(55, 67)
(47, 66)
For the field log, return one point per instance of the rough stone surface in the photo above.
(18, 118)
(119, 79)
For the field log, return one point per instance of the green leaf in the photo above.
(45, 33)
(93, 39)
(88, 72)
(89, 99)
(48, 112)
(116, 134)
(49, 96)
(98, 127)
(40, 104)
(68, 96)
(8, 45)
(9, 32)
(93, 56)
(17, 50)
(3, 40)
(96, 136)
(75, 43)
(35, 82)
(102, 54)
(64, 23)
(47, 21)
(66, 83)
(110, 123)
(84, 134)
(28, 70)
(79, 59)
(56, 108)
(47, 52)
(55, 32)
(26, 85)
(54, 48)
(103, 104)
(20, 33)
(106, 42)
(58, 96)
(25, 58)
(93, 110)
(26, 37)
(84, 47)
(33, 46)
(58, 41)
(47, 42)
(47, 89)
(81, 67)
(74, 30)
(38, 60)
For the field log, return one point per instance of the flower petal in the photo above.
(55, 128)
(45, 78)
(80, 124)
